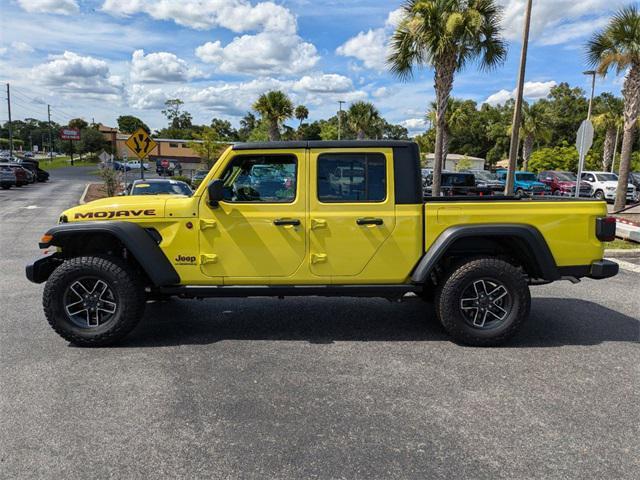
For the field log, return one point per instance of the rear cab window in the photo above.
(352, 177)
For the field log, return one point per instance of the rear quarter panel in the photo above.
(568, 227)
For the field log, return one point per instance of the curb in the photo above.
(622, 253)
(84, 194)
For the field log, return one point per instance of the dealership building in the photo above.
(170, 149)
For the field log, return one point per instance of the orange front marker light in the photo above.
(46, 238)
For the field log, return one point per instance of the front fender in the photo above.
(140, 244)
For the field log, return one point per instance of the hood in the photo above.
(119, 208)
(530, 183)
(571, 184)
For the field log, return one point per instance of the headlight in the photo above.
(611, 189)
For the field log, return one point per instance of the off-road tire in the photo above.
(450, 293)
(121, 279)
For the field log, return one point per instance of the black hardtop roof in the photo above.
(325, 144)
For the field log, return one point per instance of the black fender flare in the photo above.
(530, 236)
(140, 244)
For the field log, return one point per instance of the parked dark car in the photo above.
(634, 178)
(34, 167)
(563, 183)
(487, 183)
(454, 184)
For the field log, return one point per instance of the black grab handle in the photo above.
(279, 222)
(369, 221)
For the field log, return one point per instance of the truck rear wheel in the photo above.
(93, 301)
(483, 302)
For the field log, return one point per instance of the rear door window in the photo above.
(352, 177)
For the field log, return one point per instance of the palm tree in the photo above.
(362, 117)
(608, 120)
(456, 118)
(446, 35)
(618, 45)
(274, 107)
(301, 113)
(535, 126)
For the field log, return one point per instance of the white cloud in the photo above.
(235, 15)
(160, 67)
(16, 48)
(381, 92)
(368, 47)
(566, 19)
(61, 7)
(532, 91)
(143, 97)
(371, 47)
(324, 83)
(414, 125)
(261, 54)
(71, 74)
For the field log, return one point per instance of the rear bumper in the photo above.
(597, 270)
(603, 269)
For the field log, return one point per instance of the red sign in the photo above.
(164, 163)
(69, 134)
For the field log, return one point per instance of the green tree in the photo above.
(618, 46)
(177, 118)
(224, 129)
(608, 119)
(247, 124)
(534, 127)
(209, 146)
(78, 123)
(274, 107)
(129, 124)
(446, 35)
(92, 141)
(363, 118)
(301, 113)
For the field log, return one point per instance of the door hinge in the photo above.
(204, 224)
(318, 223)
(208, 258)
(318, 257)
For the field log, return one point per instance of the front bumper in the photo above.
(41, 269)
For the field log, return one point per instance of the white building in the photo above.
(453, 159)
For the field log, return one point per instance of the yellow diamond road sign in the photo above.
(141, 143)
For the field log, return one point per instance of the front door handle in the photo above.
(281, 222)
(370, 221)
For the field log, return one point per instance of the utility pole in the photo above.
(340, 102)
(50, 140)
(582, 153)
(517, 112)
(10, 126)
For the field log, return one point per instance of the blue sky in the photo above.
(104, 58)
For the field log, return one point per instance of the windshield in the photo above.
(458, 180)
(525, 177)
(566, 177)
(484, 175)
(159, 188)
(607, 177)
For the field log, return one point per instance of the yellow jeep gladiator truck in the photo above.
(316, 218)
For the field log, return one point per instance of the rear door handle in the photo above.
(370, 221)
(281, 222)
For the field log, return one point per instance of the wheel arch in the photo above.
(523, 243)
(141, 245)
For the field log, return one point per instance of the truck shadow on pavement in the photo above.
(553, 322)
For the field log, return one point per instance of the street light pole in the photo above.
(517, 112)
(340, 102)
(593, 87)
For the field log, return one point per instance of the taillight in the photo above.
(606, 229)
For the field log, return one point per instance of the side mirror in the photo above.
(216, 192)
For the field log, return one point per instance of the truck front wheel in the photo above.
(93, 301)
(483, 302)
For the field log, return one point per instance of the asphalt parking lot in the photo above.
(312, 388)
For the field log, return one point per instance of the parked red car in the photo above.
(21, 175)
(563, 183)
